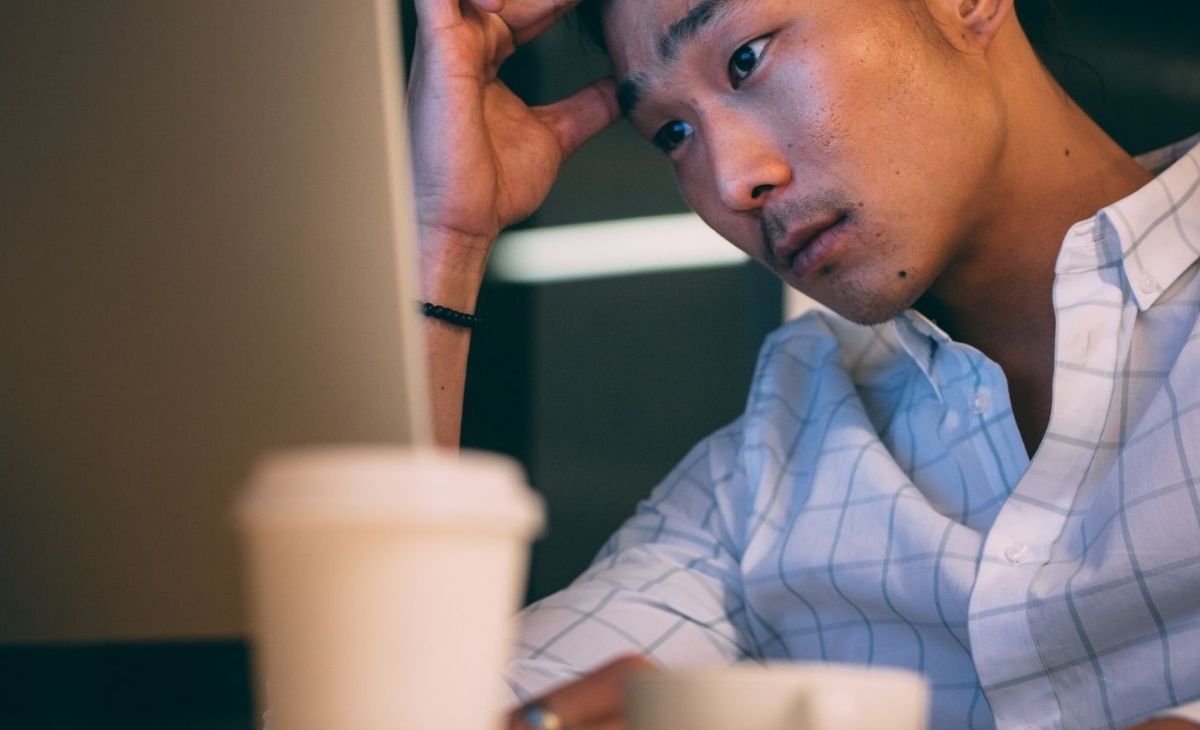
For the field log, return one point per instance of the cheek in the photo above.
(696, 185)
(864, 97)
(799, 102)
(694, 177)
(836, 89)
(744, 233)
(893, 139)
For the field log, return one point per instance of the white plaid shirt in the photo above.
(875, 505)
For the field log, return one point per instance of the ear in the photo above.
(970, 25)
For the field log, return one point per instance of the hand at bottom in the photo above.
(1166, 723)
(593, 702)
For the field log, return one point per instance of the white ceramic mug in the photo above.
(778, 697)
(383, 583)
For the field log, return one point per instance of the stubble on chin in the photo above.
(863, 302)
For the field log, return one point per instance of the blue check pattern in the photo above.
(875, 505)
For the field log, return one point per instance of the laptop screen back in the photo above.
(206, 253)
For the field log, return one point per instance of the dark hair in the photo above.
(1037, 18)
(588, 14)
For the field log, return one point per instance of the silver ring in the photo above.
(539, 716)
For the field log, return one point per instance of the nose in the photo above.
(747, 163)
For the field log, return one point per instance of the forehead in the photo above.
(645, 34)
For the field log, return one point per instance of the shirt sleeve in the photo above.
(666, 585)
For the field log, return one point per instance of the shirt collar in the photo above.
(921, 337)
(1153, 234)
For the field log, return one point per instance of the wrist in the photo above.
(452, 267)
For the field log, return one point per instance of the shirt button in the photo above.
(1017, 553)
(1148, 284)
(982, 401)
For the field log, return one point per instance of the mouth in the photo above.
(806, 247)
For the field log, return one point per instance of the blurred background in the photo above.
(598, 373)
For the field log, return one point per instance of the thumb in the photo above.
(582, 115)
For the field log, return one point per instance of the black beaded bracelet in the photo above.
(453, 316)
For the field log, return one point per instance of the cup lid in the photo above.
(417, 487)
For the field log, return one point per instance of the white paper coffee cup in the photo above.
(778, 697)
(383, 582)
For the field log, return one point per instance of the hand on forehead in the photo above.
(530, 18)
(526, 18)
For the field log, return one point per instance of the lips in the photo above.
(804, 245)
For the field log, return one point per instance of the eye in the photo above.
(671, 135)
(745, 60)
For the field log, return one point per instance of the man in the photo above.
(993, 477)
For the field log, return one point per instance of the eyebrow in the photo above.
(629, 93)
(700, 16)
(689, 26)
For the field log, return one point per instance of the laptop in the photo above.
(206, 253)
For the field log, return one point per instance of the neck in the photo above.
(1057, 168)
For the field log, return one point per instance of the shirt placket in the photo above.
(1088, 307)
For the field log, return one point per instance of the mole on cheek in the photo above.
(903, 274)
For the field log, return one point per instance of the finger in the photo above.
(583, 115)
(596, 698)
(489, 6)
(437, 15)
(600, 695)
(529, 18)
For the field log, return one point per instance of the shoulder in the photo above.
(813, 371)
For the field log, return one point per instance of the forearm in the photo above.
(667, 585)
(452, 268)
(482, 160)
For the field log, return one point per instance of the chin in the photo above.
(864, 304)
(871, 314)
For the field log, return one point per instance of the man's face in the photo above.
(844, 145)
